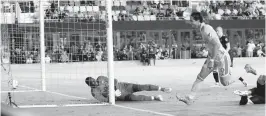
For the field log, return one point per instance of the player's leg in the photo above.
(154, 59)
(256, 99)
(232, 58)
(225, 71)
(132, 97)
(205, 71)
(149, 87)
(216, 77)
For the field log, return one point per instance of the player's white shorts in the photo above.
(222, 64)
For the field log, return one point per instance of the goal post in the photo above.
(110, 51)
(42, 45)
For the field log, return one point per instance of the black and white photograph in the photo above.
(132, 57)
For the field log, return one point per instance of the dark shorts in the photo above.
(256, 99)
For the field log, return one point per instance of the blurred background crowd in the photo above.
(134, 45)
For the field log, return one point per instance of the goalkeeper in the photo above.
(123, 91)
(255, 95)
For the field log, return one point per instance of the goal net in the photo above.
(48, 48)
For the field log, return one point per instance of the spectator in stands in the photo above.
(174, 53)
(64, 57)
(130, 53)
(37, 57)
(250, 47)
(79, 16)
(146, 11)
(160, 15)
(99, 55)
(48, 14)
(52, 7)
(137, 11)
(47, 58)
(260, 52)
(169, 11)
(123, 55)
(55, 14)
(239, 51)
(179, 12)
(29, 59)
(152, 52)
(160, 6)
(227, 11)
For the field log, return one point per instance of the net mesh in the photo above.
(75, 37)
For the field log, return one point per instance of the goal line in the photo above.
(53, 105)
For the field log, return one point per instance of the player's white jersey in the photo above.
(211, 38)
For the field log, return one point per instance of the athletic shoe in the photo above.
(167, 90)
(249, 69)
(187, 100)
(158, 98)
(244, 100)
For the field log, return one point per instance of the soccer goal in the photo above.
(48, 48)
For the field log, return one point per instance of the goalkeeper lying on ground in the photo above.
(255, 95)
(123, 91)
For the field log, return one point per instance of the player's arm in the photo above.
(98, 95)
(105, 80)
(213, 40)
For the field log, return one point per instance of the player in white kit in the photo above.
(218, 58)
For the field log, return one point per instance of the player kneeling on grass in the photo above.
(255, 95)
(123, 91)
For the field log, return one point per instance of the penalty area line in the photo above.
(142, 110)
(131, 108)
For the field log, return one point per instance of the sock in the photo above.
(241, 79)
(215, 76)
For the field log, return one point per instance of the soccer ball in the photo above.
(14, 84)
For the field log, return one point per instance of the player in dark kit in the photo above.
(226, 44)
(123, 91)
(255, 95)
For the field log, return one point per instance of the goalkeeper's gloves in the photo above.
(242, 93)
(117, 93)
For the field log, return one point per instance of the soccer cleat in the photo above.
(243, 100)
(249, 69)
(158, 98)
(167, 90)
(187, 100)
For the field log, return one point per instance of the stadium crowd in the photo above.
(157, 10)
(97, 52)
(91, 11)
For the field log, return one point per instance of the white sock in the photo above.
(152, 97)
(249, 102)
